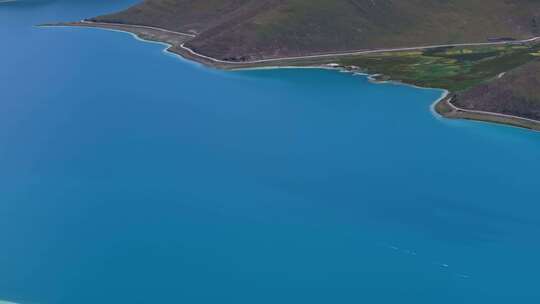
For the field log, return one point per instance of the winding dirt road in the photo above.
(336, 54)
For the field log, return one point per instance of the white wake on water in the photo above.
(410, 252)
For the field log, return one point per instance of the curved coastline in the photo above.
(445, 108)
(137, 36)
(440, 108)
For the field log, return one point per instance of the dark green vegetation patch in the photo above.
(454, 69)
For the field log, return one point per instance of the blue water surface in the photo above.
(132, 176)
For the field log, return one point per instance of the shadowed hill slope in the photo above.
(239, 30)
(514, 93)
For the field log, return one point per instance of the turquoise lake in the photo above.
(128, 175)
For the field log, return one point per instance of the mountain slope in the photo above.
(514, 93)
(251, 29)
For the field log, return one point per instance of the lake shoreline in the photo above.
(447, 109)
(174, 42)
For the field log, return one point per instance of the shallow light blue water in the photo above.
(130, 176)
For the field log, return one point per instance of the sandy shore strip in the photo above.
(171, 39)
(148, 34)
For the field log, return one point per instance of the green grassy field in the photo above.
(454, 69)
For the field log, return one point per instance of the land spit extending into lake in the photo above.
(494, 81)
